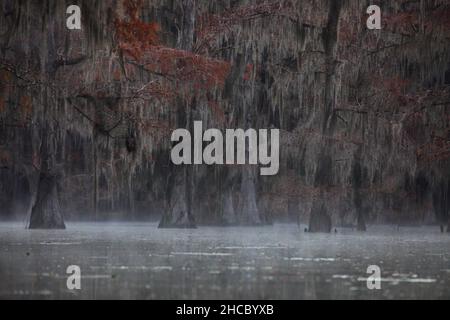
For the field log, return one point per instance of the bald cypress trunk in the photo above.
(46, 212)
(249, 214)
(179, 211)
(320, 220)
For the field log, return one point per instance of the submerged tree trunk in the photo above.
(319, 220)
(249, 214)
(95, 173)
(180, 186)
(46, 213)
(441, 203)
(229, 215)
(178, 213)
(361, 223)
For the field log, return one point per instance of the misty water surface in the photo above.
(138, 260)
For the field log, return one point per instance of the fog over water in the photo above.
(138, 260)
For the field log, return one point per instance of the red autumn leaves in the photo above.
(139, 43)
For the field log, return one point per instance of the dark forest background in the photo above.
(86, 115)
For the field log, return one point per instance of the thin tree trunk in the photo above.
(95, 177)
(131, 205)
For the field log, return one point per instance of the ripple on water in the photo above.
(310, 259)
(212, 254)
(396, 281)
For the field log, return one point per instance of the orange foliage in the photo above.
(411, 22)
(437, 149)
(248, 72)
(435, 23)
(135, 36)
(116, 75)
(139, 41)
(212, 24)
(395, 87)
(348, 31)
(154, 125)
(158, 90)
(184, 66)
(217, 111)
(402, 22)
(158, 128)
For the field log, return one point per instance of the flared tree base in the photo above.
(181, 221)
(319, 221)
(46, 213)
